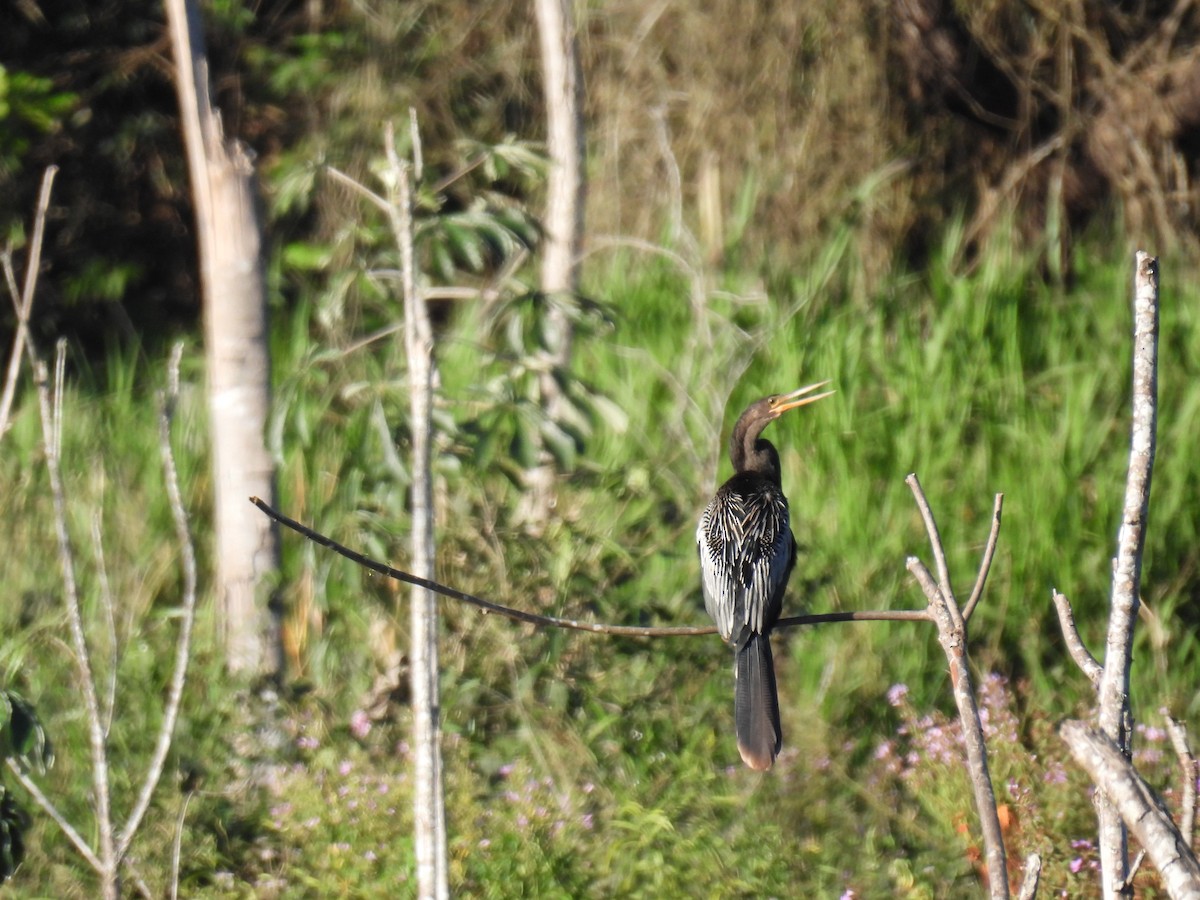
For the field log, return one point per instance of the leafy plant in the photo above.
(23, 742)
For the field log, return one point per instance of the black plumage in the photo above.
(746, 557)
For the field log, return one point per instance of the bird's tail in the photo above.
(756, 703)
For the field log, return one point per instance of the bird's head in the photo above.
(746, 449)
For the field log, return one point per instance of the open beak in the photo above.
(801, 397)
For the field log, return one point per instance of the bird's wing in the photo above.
(745, 546)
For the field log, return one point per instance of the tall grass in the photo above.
(581, 765)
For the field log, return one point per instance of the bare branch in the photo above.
(1127, 885)
(183, 645)
(1033, 874)
(48, 807)
(1142, 811)
(1187, 763)
(359, 188)
(1113, 717)
(985, 566)
(110, 622)
(177, 845)
(32, 264)
(1075, 646)
(939, 550)
(517, 615)
(952, 636)
(87, 681)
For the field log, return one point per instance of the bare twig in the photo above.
(986, 565)
(25, 306)
(177, 845)
(883, 615)
(1075, 646)
(1187, 763)
(1127, 885)
(1142, 811)
(139, 882)
(110, 624)
(952, 635)
(939, 550)
(1033, 874)
(48, 807)
(87, 681)
(1113, 715)
(183, 646)
(360, 189)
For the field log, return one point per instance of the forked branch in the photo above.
(952, 635)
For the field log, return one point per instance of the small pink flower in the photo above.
(360, 724)
(896, 695)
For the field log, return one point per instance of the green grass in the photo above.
(580, 765)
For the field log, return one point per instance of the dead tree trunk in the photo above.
(429, 803)
(563, 223)
(236, 350)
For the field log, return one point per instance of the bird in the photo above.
(747, 552)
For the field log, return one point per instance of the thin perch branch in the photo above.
(884, 615)
(1075, 646)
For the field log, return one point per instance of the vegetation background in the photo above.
(932, 204)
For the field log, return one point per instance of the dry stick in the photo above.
(177, 844)
(953, 639)
(952, 635)
(66, 554)
(48, 807)
(1132, 798)
(1127, 570)
(1187, 762)
(1033, 874)
(110, 623)
(1133, 869)
(183, 646)
(939, 550)
(25, 306)
(1075, 646)
(985, 565)
(517, 615)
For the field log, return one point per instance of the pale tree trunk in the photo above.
(563, 221)
(236, 350)
(429, 806)
(1114, 713)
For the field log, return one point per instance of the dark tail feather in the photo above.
(756, 704)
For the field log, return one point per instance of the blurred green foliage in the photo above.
(846, 247)
(579, 765)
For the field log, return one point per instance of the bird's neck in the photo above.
(755, 455)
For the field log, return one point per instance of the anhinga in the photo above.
(746, 556)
